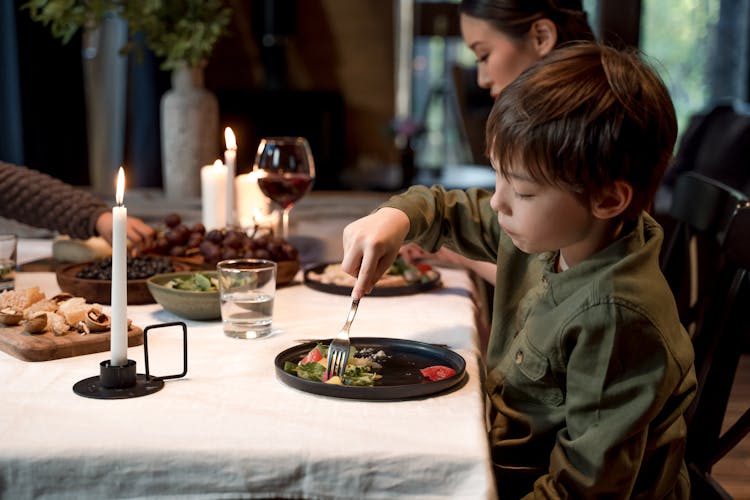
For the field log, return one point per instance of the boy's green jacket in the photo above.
(589, 371)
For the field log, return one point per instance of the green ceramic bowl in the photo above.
(185, 303)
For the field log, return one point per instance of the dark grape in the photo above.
(215, 236)
(161, 244)
(210, 251)
(177, 251)
(262, 253)
(179, 240)
(209, 248)
(195, 240)
(172, 220)
(229, 253)
(233, 239)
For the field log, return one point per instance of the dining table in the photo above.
(230, 427)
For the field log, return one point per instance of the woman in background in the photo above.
(508, 36)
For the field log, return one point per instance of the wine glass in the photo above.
(286, 172)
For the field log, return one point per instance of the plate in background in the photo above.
(377, 291)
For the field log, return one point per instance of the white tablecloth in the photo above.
(231, 429)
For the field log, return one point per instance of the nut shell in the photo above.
(36, 324)
(97, 321)
(62, 297)
(10, 316)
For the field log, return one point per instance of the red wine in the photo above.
(285, 189)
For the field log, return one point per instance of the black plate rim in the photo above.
(377, 393)
(385, 291)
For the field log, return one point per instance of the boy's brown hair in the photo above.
(584, 117)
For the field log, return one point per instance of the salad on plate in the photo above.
(361, 370)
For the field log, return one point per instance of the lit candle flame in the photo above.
(120, 192)
(218, 164)
(229, 138)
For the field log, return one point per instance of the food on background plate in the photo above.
(32, 310)
(400, 273)
(360, 369)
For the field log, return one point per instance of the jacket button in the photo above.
(519, 357)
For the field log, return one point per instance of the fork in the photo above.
(338, 350)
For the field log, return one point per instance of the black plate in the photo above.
(401, 376)
(382, 291)
(400, 370)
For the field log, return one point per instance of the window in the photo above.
(679, 36)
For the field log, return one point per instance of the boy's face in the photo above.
(540, 217)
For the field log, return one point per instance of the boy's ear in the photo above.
(543, 36)
(613, 200)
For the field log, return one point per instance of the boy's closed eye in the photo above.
(524, 187)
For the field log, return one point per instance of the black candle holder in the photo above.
(122, 382)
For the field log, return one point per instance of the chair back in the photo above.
(706, 262)
(716, 144)
(701, 210)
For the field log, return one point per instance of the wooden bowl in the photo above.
(100, 291)
(286, 270)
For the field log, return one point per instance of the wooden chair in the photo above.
(706, 262)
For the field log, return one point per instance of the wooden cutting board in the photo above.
(46, 346)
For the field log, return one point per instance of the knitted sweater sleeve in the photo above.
(40, 200)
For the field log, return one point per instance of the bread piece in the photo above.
(20, 299)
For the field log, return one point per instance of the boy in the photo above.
(588, 368)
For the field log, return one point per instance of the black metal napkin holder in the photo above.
(122, 382)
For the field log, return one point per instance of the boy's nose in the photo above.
(498, 203)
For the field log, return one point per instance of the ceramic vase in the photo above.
(189, 132)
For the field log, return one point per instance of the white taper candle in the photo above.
(230, 159)
(213, 195)
(119, 296)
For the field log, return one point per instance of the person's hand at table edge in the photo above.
(370, 246)
(139, 233)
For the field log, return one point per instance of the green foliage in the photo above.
(677, 35)
(65, 17)
(180, 31)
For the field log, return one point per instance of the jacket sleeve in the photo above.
(461, 220)
(37, 199)
(626, 392)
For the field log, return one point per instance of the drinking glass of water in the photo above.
(246, 290)
(8, 243)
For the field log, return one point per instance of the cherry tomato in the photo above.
(423, 268)
(312, 356)
(437, 372)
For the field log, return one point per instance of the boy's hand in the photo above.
(370, 246)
